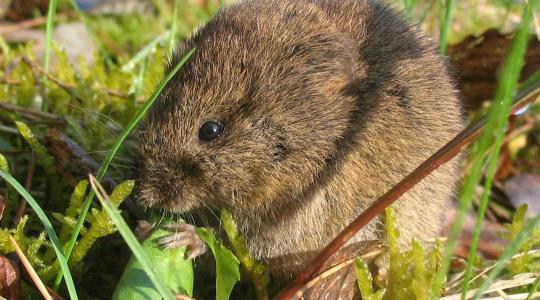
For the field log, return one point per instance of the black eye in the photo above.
(210, 130)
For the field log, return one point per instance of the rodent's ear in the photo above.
(330, 58)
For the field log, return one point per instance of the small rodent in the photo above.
(295, 115)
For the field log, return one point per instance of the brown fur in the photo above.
(326, 104)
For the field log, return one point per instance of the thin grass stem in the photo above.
(534, 288)
(508, 252)
(497, 119)
(174, 26)
(49, 28)
(446, 24)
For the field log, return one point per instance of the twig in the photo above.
(31, 272)
(27, 186)
(8, 129)
(519, 130)
(69, 88)
(10, 28)
(32, 112)
(443, 155)
(10, 81)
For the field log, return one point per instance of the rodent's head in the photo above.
(255, 114)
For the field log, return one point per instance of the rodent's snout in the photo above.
(172, 183)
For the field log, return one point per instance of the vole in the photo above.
(295, 115)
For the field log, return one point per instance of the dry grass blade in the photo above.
(31, 272)
(34, 113)
(457, 281)
(500, 285)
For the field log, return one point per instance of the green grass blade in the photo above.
(497, 120)
(256, 271)
(227, 265)
(49, 27)
(534, 78)
(51, 12)
(174, 26)
(145, 52)
(509, 79)
(130, 239)
(105, 165)
(446, 24)
(534, 288)
(426, 11)
(408, 6)
(508, 252)
(48, 229)
(137, 84)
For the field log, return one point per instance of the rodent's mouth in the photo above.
(171, 203)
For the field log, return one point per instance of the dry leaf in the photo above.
(477, 61)
(10, 279)
(338, 278)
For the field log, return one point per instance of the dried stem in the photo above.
(34, 113)
(27, 186)
(31, 272)
(65, 86)
(8, 28)
(443, 155)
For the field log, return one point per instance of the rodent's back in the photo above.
(330, 103)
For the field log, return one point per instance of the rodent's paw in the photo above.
(143, 229)
(183, 297)
(184, 235)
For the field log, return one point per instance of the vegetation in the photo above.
(80, 247)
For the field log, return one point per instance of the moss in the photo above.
(410, 274)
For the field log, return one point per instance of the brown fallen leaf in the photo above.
(337, 280)
(10, 279)
(71, 161)
(25, 9)
(477, 60)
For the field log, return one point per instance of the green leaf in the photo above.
(168, 263)
(132, 242)
(227, 265)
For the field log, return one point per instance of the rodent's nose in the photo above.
(168, 178)
(187, 167)
(178, 168)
